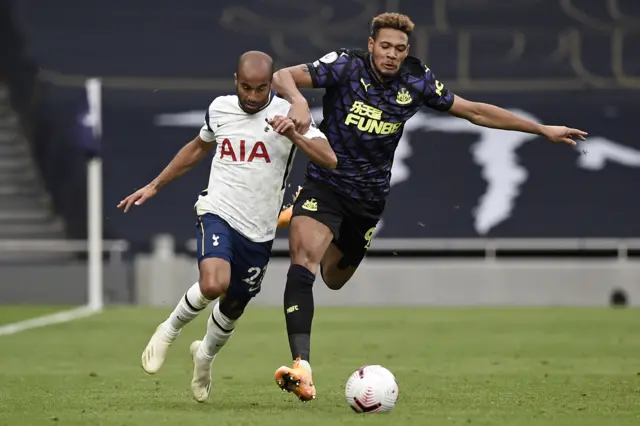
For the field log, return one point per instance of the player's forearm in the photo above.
(188, 156)
(487, 115)
(285, 85)
(318, 150)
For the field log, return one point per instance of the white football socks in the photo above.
(219, 331)
(189, 307)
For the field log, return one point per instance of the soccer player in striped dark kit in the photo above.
(369, 95)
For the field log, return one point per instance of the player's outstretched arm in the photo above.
(313, 143)
(188, 156)
(492, 116)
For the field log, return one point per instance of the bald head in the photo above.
(253, 80)
(255, 65)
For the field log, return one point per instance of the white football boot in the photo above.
(201, 381)
(155, 353)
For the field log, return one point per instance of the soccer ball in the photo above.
(372, 389)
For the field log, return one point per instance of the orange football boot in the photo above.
(287, 212)
(297, 380)
(285, 217)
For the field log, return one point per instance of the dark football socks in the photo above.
(298, 310)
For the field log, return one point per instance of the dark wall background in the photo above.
(560, 66)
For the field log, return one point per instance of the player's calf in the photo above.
(220, 327)
(189, 306)
(221, 324)
(214, 281)
(308, 241)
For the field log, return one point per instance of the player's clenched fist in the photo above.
(138, 197)
(283, 125)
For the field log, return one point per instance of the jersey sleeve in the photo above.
(206, 132)
(331, 69)
(314, 131)
(436, 94)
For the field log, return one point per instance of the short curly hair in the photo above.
(394, 21)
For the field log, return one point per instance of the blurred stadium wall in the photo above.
(476, 216)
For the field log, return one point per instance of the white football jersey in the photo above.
(250, 167)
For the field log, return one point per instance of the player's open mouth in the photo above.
(389, 66)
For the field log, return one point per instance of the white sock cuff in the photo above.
(221, 320)
(194, 298)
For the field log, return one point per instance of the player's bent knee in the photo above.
(212, 288)
(334, 284)
(336, 268)
(335, 278)
(215, 275)
(305, 263)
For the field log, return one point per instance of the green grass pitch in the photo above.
(454, 367)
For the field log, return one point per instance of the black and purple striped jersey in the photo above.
(363, 119)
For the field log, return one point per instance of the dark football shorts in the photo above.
(352, 221)
(248, 259)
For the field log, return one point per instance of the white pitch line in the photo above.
(57, 318)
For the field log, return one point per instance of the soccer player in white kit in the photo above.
(237, 214)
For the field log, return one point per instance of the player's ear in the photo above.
(370, 44)
(235, 78)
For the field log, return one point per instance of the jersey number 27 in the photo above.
(255, 278)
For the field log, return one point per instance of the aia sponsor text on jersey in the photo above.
(237, 151)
